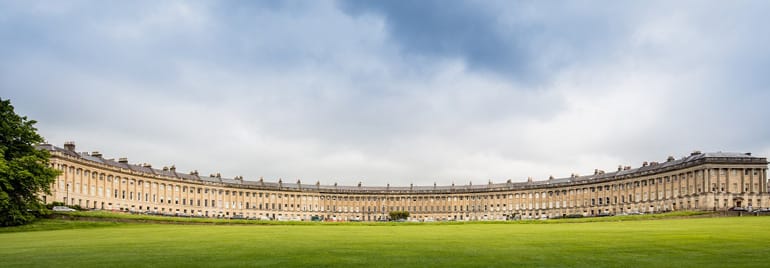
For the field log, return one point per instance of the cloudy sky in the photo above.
(392, 92)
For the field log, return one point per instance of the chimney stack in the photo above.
(123, 160)
(69, 146)
(96, 154)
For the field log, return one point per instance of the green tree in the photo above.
(24, 170)
(398, 215)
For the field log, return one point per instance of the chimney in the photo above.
(596, 171)
(194, 173)
(645, 164)
(695, 153)
(147, 165)
(69, 146)
(123, 160)
(670, 158)
(748, 154)
(219, 176)
(172, 168)
(96, 154)
(620, 167)
(165, 168)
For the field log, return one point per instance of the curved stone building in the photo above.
(700, 181)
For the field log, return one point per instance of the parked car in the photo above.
(63, 209)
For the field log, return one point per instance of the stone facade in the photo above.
(701, 181)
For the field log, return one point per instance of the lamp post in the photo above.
(67, 194)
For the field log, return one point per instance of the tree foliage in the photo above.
(399, 215)
(24, 170)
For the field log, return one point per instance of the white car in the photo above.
(62, 208)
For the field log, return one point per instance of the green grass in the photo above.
(691, 242)
(50, 225)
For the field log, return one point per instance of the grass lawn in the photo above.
(695, 242)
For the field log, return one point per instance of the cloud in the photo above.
(393, 93)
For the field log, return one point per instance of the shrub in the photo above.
(398, 215)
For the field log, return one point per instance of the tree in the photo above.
(398, 215)
(24, 170)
